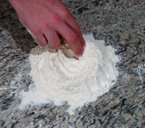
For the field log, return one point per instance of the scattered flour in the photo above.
(59, 79)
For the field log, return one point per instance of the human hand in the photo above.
(46, 20)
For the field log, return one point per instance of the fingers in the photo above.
(73, 38)
(39, 38)
(52, 38)
(69, 20)
(48, 37)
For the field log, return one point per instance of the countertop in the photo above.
(121, 23)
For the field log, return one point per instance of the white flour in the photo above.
(59, 79)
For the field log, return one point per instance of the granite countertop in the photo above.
(121, 23)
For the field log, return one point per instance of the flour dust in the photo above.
(59, 79)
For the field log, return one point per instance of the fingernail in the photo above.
(77, 57)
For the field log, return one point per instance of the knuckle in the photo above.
(34, 30)
(66, 14)
(55, 17)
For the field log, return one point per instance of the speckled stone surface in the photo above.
(121, 23)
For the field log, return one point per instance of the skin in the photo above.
(47, 20)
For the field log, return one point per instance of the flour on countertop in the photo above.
(59, 79)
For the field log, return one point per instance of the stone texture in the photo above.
(121, 23)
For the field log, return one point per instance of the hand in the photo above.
(47, 20)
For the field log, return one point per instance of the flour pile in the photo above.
(59, 79)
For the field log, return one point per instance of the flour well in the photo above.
(59, 79)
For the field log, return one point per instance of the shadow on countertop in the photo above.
(10, 22)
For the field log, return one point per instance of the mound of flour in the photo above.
(59, 79)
